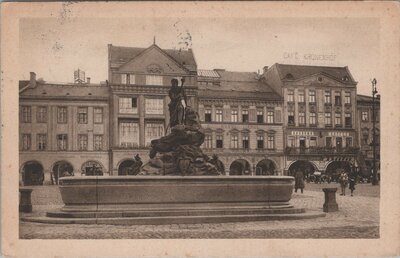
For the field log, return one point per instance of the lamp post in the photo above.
(374, 174)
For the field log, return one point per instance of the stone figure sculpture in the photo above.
(179, 152)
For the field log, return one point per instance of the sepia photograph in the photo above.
(198, 127)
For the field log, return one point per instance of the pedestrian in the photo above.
(299, 180)
(352, 182)
(343, 180)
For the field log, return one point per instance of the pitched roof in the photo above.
(67, 90)
(364, 98)
(121, 55)
(294, 72)
(236, 84)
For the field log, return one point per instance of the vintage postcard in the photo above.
(200, 129)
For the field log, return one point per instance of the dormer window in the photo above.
(345, 78)
(289, 76)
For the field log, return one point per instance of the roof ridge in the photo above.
(312, 65)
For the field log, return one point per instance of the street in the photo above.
(358, 217)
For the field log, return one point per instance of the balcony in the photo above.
(321, 151)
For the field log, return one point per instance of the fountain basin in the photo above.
(174, 199)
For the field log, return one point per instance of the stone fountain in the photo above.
(179, 184)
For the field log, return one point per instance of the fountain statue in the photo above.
(179, 152)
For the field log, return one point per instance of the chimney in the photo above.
(32, 80)
(265, 68)
(88, 80)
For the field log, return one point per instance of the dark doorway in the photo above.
(265, 167)
(303, 165)
(239, 167)
(61, 169)
(124, 167)
(92, 168)
(32, 173)
(335, 167)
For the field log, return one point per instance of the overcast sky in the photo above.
(54, 48)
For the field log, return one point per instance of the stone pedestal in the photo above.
(330, 204)
(25, 204)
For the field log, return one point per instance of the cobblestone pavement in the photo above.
(358, 217)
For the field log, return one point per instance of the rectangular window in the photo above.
(208, 141)
(301, 96)
(207, 115)
(327, 97)
(349, 141)
(234, 116)
(290, 96)
(62, 142)
(347, 97)
(291, 141)
(271, 142)
(328, 142)
(131, 79)
(245, 142)
(98, 142)
(219, 142)
(270, 117)
(347, 119)
(128, 105)
(338, 98)
(311, 96)
(128, 134)
(154, 106)
(98, 115)
(26, 142)
(245, 116)
(41, 115)
(291, 118)
(338, 119)
(328, 119)
(234, 142)
(153, 131)
(62, 115)
(218, 115)
(82, 115)
(313, 118)
(124, 78)
(41, 142)
(26, 114)
(364, 116)
(302, 118)
(83, 142)
(154, 80)
(260, 142)
(313, 141)
(260, 116)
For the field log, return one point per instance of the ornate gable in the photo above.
(320, 79)
(153, 60)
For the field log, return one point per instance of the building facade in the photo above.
(242, 119)
(289, 117)
(320, 118)
(365, 132)
(63, 130)
(139, 81)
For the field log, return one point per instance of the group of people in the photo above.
(345, 179)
